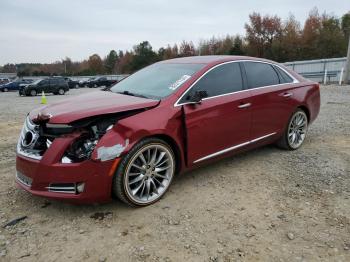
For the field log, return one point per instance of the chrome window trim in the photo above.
(233, 148)
(244, 90)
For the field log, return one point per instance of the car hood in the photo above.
(88, 105)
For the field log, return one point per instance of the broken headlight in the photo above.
(82, 148)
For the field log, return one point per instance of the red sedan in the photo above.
(131, 140)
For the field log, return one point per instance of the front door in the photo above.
(221, 122)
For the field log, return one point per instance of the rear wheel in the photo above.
(295, 133)
(61, 91)
(145, 173)
(5, 89)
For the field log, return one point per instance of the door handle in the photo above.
(287, 94)
(244, 105)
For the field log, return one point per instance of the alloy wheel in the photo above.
(149, 173)
(297, 129)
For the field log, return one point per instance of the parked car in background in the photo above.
(55, 85)
(85, 82)
(167, 118)
(15, 85)
(72, 83)
(4, 81)
(101, 81)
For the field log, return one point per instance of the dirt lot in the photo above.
(267, 204)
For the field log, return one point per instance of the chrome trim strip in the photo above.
(221, 152)
(262, 137)
(27, 154)
(245, 90)
(20, 180)
(233, 147)
(66, 190)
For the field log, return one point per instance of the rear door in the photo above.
(271, 96)
(221, 122)
(53, 85)
(44, 85)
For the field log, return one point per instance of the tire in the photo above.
(5, 90)
(145, 179)
(294, 134)
(61, 91)
(76, 86)
(95, 86)
(33, 92)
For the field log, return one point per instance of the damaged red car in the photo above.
(131, 140)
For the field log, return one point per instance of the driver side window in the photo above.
(221, 80)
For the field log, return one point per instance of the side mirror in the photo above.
(198, 96)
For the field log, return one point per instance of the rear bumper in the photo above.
(94, 175)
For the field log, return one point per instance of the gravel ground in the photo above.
(266, 204)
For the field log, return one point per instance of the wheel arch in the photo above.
(174, 146)
(306, 110)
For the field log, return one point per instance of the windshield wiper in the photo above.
(131, 94)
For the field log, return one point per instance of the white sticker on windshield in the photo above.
(179, 82)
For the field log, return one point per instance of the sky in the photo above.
(45, 31)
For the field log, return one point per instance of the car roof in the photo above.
(211, 59)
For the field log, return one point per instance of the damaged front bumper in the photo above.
(85, 182)
(41, 171)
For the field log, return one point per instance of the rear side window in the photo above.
(221, 80)
(284, 77)
(260, 74)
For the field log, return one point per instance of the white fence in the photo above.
(319, 70)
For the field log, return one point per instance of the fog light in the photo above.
(80, 187)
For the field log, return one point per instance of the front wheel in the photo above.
(295, 133)
(33, 92)
(145, 173)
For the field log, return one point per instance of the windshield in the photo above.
(36, 81)
(156, 81)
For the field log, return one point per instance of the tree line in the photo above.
(266, 36)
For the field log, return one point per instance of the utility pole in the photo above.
(347, 65)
